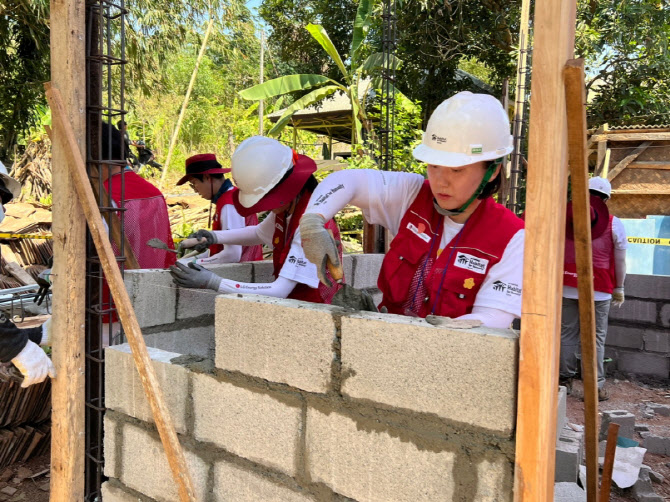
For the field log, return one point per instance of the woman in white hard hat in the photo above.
(19, 346)
(269, 177)
(456, 252)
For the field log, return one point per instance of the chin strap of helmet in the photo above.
(487, 177)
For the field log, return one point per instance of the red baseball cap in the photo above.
(203, 163)
(600, 217)
(284, 191)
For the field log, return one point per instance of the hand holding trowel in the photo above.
(159, 244)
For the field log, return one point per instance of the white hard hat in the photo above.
(258, 164)
(601, 185)
(464, 129)
(11, 184)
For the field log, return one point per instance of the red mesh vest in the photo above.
(411, 279)
(604, 272)
(249, 253)
(281, 241)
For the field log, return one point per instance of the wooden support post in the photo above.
(68, 49)
(84, 194)
(539, 344)
(575, 95)
(606, 163)
(608, 464)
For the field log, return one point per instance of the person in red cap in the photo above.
(608, 246)
(270, 177)
(205, 175)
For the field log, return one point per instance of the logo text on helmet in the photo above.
(438, 139)
(475, 149)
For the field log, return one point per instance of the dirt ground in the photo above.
(632, 396)
(26, 482)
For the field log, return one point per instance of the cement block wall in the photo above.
(638, 338)
(182, 320)
(310, 402)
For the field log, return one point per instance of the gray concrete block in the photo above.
(568, 492)
(561, 408)
(112, 460)
(247, 423)
(643, 363)
(656, 444)
(635, 311)
(625, 419)
(371, 465)
(647, 286)
(113, 493)
(234, 484)
(657, 341)
(284, 341)
(153, 295)
(263, 271)
(665, 315)
(198, 341)
(569, 452)
(124, 392)
(366, 270)
(197, 302)
(144, 466)
(468, 376)
(348, 267)
(660, 409)
(623, 336)
(642, 490)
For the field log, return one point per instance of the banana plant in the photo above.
(353, 77)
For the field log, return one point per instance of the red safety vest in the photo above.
(249, 253)
(604, 271)
(413, 279)
(281, 241)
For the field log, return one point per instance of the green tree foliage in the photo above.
(24, 66)
(625, 45)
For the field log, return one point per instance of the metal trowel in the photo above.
(348, 296)
(159, 244)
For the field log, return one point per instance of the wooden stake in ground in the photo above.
(575, 97)
(608, 464)
(539, 343)
(68, 60)
(173, 450)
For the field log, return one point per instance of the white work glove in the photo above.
(200, 246)
(46, 333)
(318, 244)
(448, 322)
(194, 276)
(618, 297)
(34, 364)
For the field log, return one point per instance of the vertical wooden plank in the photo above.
(539, 344)
(67, 433)
(575, 95)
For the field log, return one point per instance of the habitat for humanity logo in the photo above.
(469, 262)
(438, 139)
(300, 262)
(509, 288)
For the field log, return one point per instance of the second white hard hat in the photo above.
(464, 129)
(258, 164)
(601, 185)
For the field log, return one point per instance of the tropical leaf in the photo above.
(309, 99)
(322, 37)
(378, 82)
(355, 109)
(376, 61)
(283, 85)
(361, 25)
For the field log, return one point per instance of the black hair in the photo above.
(493, 185)
(5, 194)
(201, 177)
(120, 124)
(310, 184)
(117, 143)
(598, 194)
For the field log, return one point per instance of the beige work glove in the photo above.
(46, 333)
(448, 322)
(318, 244)
(618, 297)
(34, 364)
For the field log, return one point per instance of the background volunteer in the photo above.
(456, 253)
(205, 175)
(21, 347)
(270, 177)
(609, 273)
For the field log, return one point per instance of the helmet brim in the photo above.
(432, 156)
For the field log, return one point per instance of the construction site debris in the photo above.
(33, 170)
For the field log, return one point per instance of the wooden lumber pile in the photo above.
(33, 170)
(25, 429)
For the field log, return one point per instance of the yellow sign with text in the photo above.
(656, 241)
